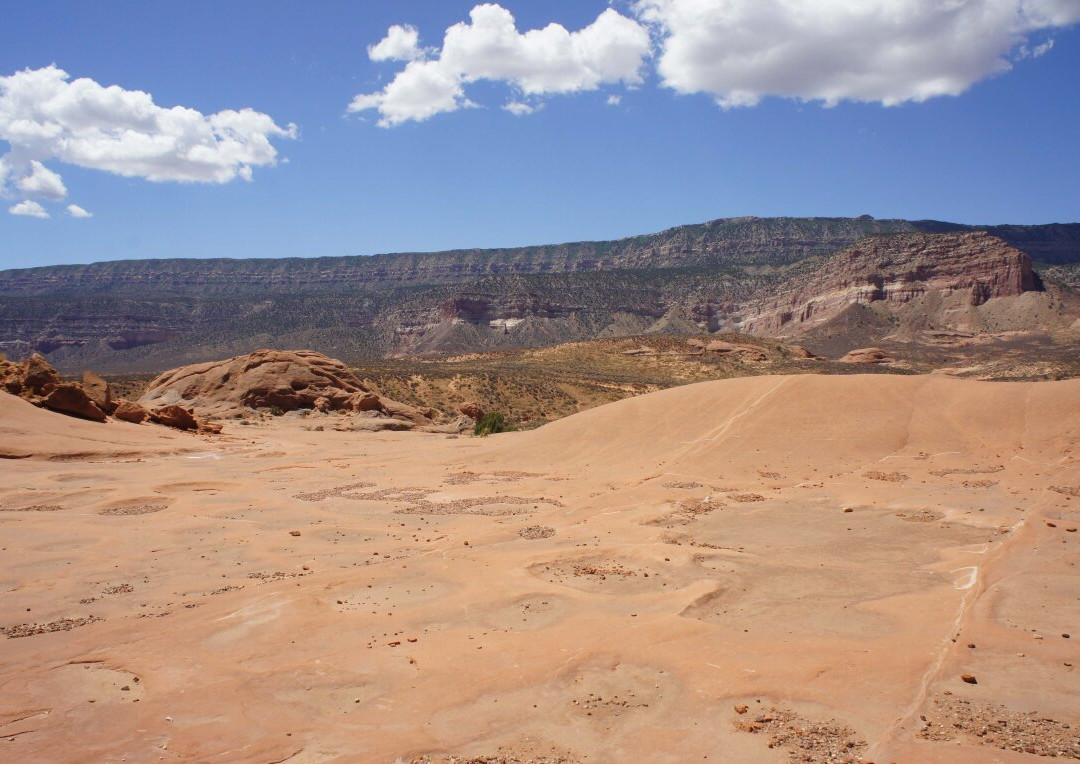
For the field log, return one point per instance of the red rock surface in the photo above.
(98, 391)
(175, 416)
(868, 355)
(472, 410)
(40, 384)
(285, 379)
(70, 398)
(127, 411)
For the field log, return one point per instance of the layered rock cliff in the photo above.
(892, 270)
(749, 274)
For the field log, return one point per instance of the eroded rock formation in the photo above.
(271, 379)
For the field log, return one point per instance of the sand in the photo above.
(714, 572)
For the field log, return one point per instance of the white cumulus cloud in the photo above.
(520, 108)
(538, 62)
(29, 208)
(41, 181)
(887, 51)
(46, 116)
(78, 212)
(402, 43)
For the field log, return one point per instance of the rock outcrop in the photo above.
(98, 390)
(271, 379)
(34, 376)
(472, 409)
(966, 269)
(175, 416)
(868, 355)
(126, 411)
(720, 347)
(70, 398)
(39, 383)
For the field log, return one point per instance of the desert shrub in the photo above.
(277, 411)
(493, 422)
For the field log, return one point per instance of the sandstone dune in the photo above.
(802, 568)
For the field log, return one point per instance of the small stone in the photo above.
(1050, 524)
(848, 509)
(125, 688)
(294, 533)
(971, 645)
(741, 709)
(1064, 636)
(969, 678)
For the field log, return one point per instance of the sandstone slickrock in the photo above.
(286, 379)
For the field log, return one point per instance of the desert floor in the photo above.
(832, 553)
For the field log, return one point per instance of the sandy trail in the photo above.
(612, 587)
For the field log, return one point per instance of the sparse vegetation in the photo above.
(493, 422)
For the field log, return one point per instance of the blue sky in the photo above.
(1003, 150)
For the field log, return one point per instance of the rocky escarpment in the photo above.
(727, 241)
(965, 269)
(726, 275)
(746, 241)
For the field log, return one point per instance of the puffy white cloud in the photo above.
(422, 90)
(78, 212)
(44, 115)
(43, 182)
(29, 208)
(520, 108)
(614, 100)
(538, 62)
(887, 51)
(402, 43)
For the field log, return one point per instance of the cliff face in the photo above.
(747, 274)
(731, 241)
(894, 270)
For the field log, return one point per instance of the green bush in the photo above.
(277, 411)
(493, 422)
